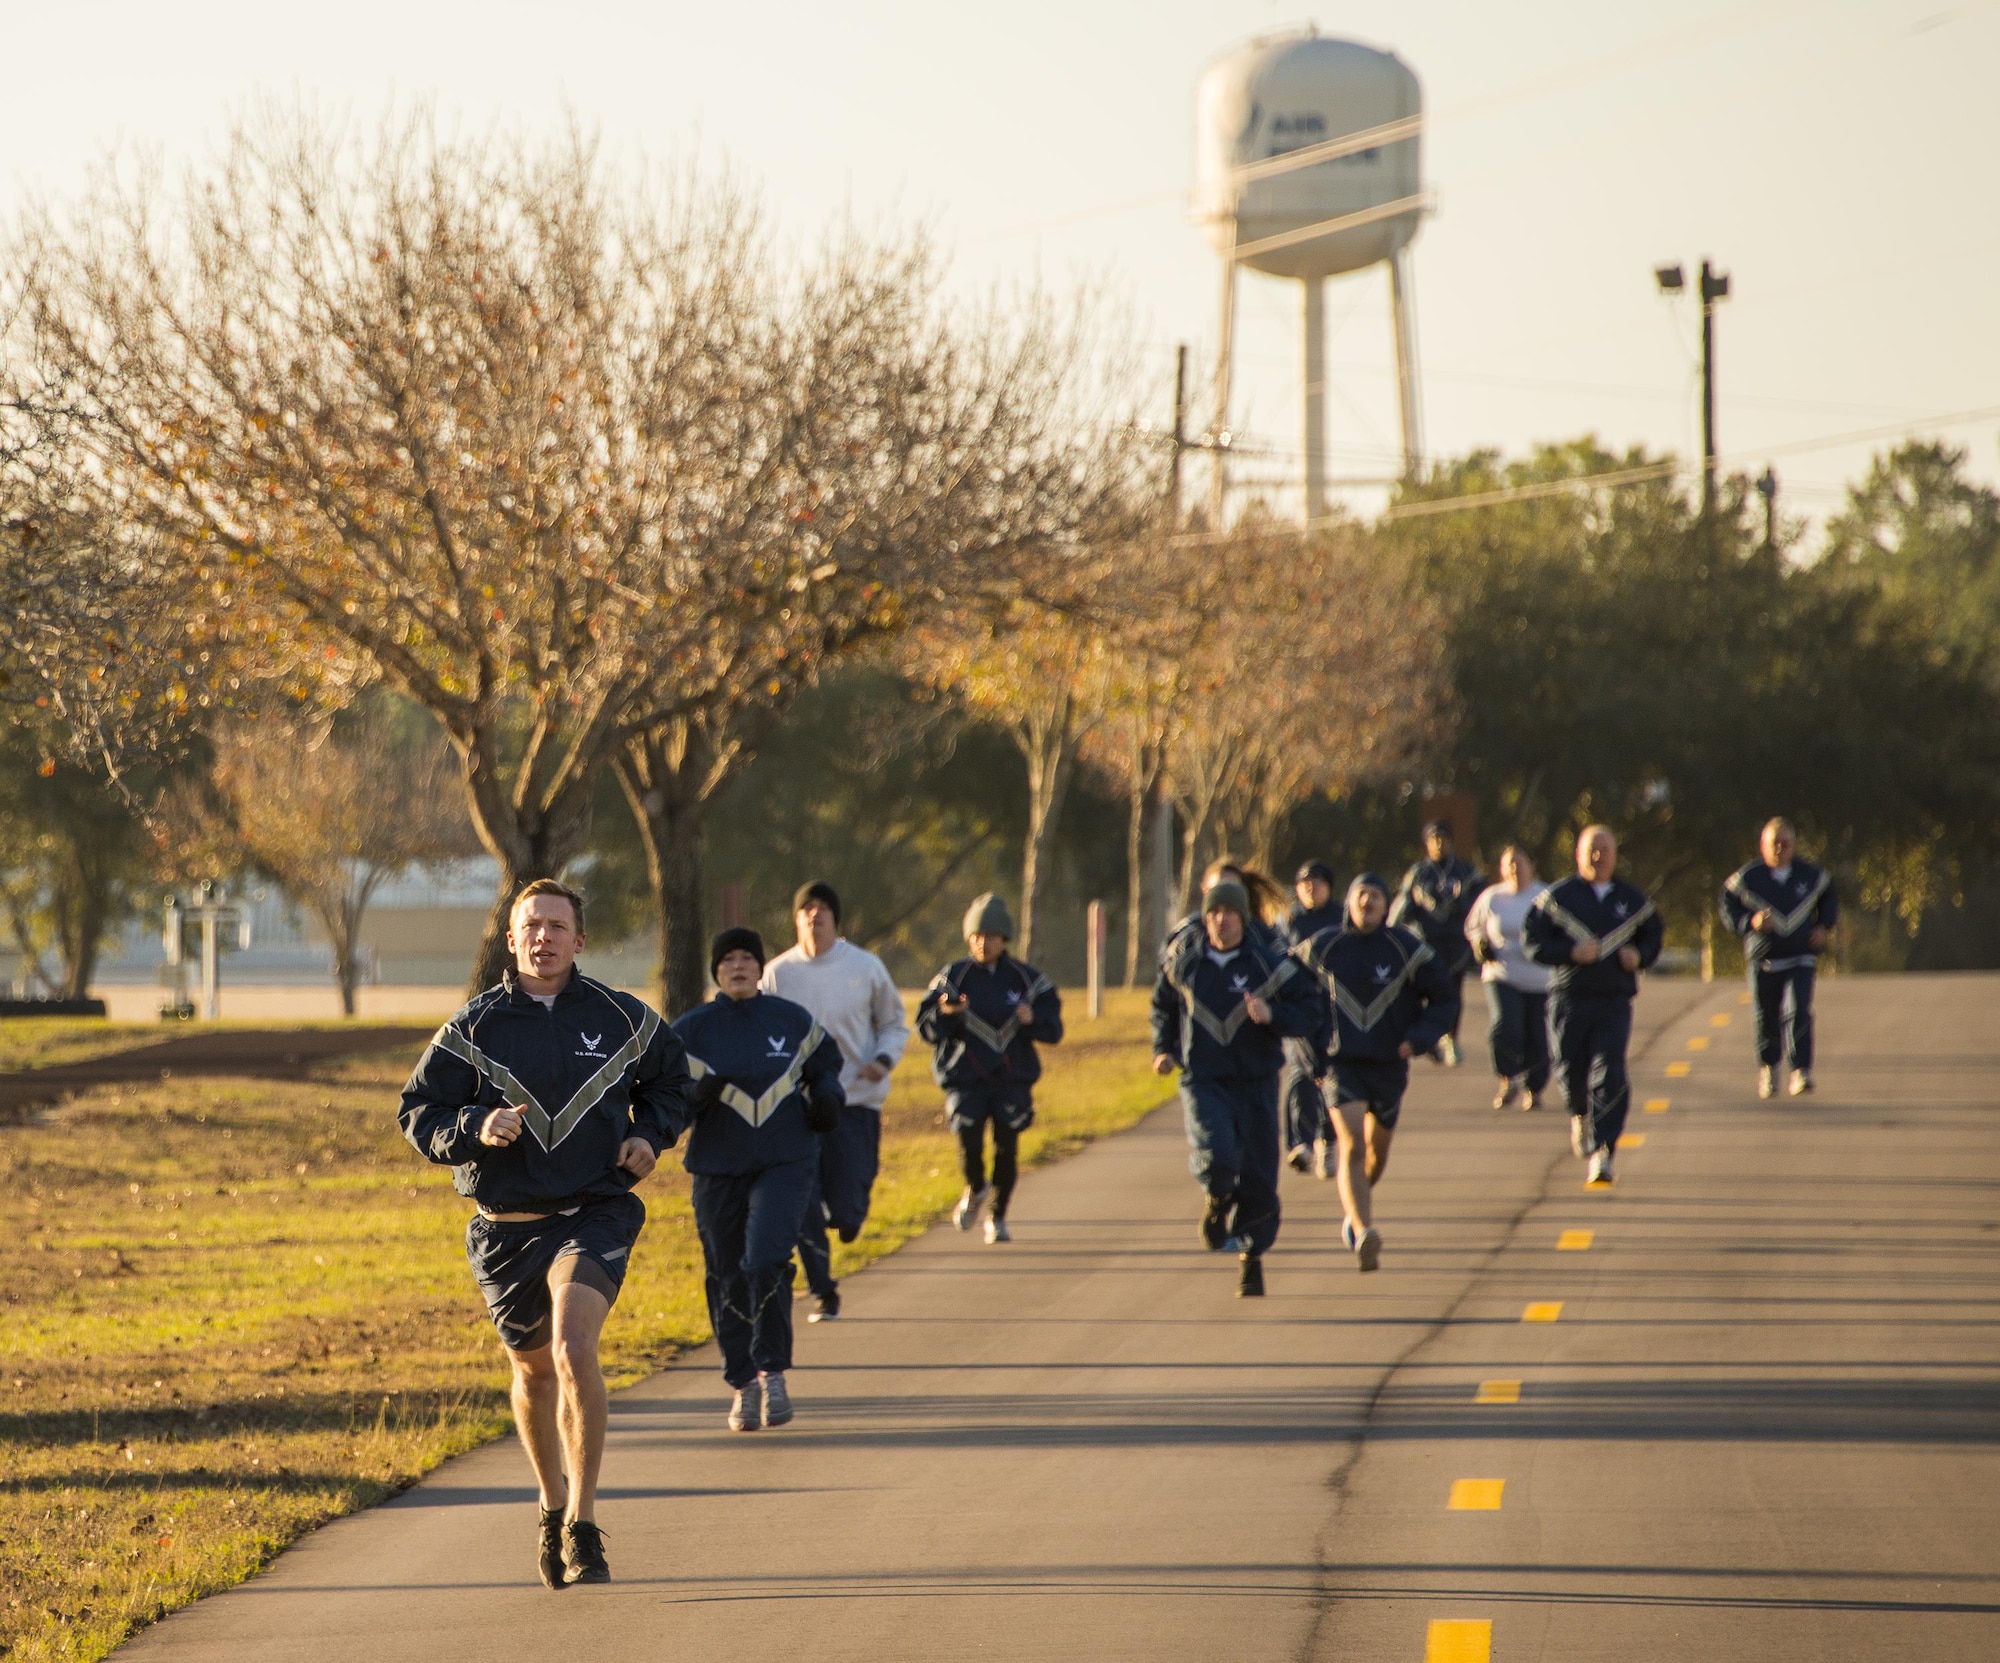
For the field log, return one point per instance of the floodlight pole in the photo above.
(1714, 287)
(1218, 486)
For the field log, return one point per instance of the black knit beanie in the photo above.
(737, 938)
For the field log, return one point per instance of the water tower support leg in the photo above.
(1315, 387)
(1403, 302)
(1225, 352)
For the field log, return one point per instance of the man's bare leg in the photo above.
(1352, 1173)
(1379, 1139)
(580, 1311)
(534, 1395)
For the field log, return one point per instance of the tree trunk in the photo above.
(82, 920)
(345, 929)
(1049, 748)
(1145, 894)
(528, 841)
(669, 777)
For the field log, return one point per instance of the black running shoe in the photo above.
(549, 1555)
(1215, 1223)
(828, 1309)
(1250, 1279)
(583, 1552)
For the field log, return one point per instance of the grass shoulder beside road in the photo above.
(237, 1309)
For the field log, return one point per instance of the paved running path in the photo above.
(1763, 1426)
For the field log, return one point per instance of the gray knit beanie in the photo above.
(989, 916)
(1227, 892)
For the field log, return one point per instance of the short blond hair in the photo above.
(547, 886)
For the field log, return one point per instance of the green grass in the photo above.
(237, 1309)
(45, 1041)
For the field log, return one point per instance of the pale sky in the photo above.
(1840, 158)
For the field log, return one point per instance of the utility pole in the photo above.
(1714, 287)
(1180, 432)
(1767, 488)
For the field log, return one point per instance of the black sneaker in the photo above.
(1215, 1223)
(549, 1555)
(1250, 1278)
(583, 1552)
(829, 1307)
(1301, 1158)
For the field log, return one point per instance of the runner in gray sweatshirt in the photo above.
(851, 995)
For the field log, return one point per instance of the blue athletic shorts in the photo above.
(519, 1266)
(1378, 1084)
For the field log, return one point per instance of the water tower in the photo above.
(1307, 156)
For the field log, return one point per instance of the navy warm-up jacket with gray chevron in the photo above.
(596, 1069)
(1571, 912)
(1387, 986)
(768, 1056)
(1799, 903)
(1201, 1022)
(1008, 1009)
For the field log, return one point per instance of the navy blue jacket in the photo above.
(1303, 923)
(768, 1055)
(1386, 986)
(1200, 1021)
(1433, 901)
(1805, 901)
(1569, 912)
(598, 1068)
(1009, 1008)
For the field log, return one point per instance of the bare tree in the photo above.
(333, 810)
(1322, 672)
(586, 470)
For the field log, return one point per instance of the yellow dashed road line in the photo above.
(1721, 1019)
(1458, 1642)
(1698, 1043)
(1498, 1391)
(1575, 1241)
(1679, 1070)
(1658, 1105)
(1475, 1495)
(1631, 1140)
(1543, 1310)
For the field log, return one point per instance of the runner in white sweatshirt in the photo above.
(852, 996)
(1517, 988)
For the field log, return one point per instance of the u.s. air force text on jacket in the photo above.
(759, 1063)
(1010, 1008)
(1571, 912)
(1201, 1021)
(1385, 987)
(1800, 902)
(596, 1067)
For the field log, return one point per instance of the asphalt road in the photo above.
(1763, 1424)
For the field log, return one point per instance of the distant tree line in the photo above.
(367, 502)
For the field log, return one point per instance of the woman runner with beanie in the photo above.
(767, 1088)
(984, 1015)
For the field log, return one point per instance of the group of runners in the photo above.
(551, 1095)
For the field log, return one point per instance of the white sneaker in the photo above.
(1767, 1082)
(1576, 1135)
(1368, 1249)
(996, 1231)
(966, 1213)
(1505, 1095)
(1801, 1082)
(777, 1401)
(1448, 1052)
(1320, 1168)
(746, 1414)
(1600, 1169)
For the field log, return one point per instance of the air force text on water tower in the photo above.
(1308, 164)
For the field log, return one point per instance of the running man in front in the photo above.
(1392, 1000)
(1597, 932)
(853, 997)
(1307, 1132)
(983, 1015)
(1784, 908)
(549, 1096)
(1222, 1004)
(1436, 895)
(767, 1089)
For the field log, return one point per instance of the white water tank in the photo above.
(1274, 96)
